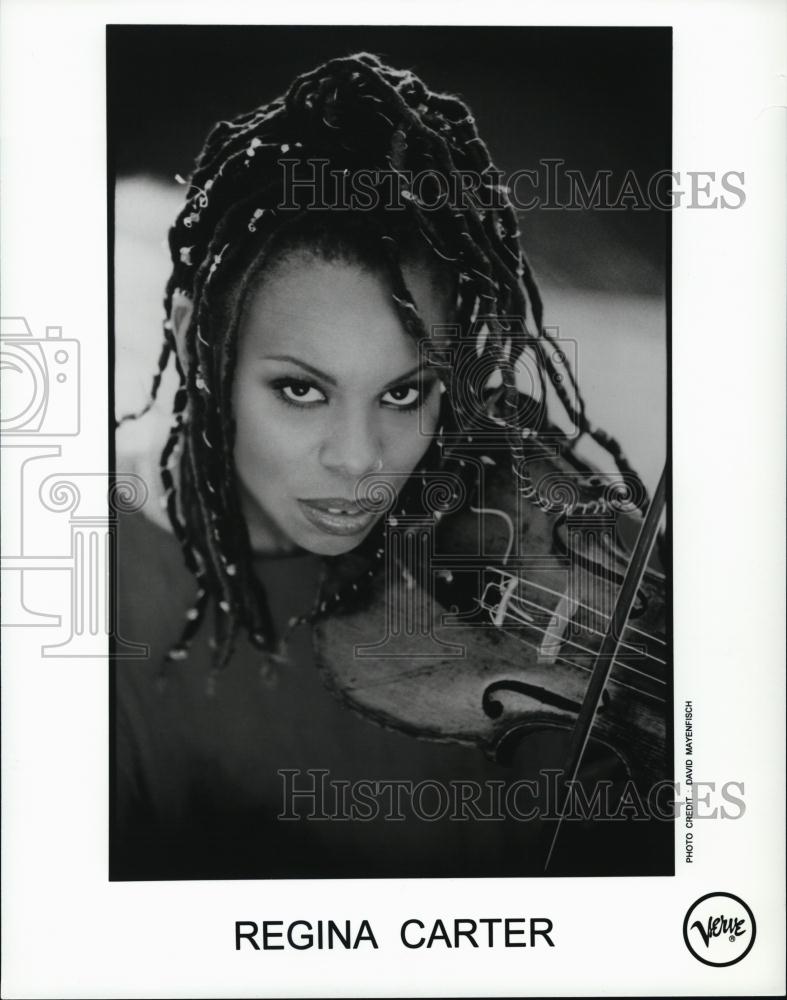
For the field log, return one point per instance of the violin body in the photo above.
(486, 624)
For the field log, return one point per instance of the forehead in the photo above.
(337, 316)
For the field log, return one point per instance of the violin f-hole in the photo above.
(493, 707)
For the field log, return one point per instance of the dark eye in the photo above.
(403, 397)
(298, 392)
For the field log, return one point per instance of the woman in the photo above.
(348, 323)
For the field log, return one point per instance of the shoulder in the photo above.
(150, 566)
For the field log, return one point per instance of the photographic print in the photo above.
(393, 476)
(403, 569)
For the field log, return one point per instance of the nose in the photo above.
(352, 445)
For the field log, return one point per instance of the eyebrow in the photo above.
(329, 378)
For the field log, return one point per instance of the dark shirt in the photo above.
(198, 788)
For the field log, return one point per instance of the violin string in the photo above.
(556, 616)
(580, 605)
(585, 669)
(584, 607)
(612, 549)
(616, 548)
(579, 666)
(621, 666)
(612, 679)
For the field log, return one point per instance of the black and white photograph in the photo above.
(393, 479)
(402, 576)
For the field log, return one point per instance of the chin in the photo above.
(332, 545)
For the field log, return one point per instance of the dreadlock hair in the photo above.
(349, 114)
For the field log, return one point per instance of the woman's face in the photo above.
(327, 390)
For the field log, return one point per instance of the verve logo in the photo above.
(719, 929)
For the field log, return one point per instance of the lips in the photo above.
(336, 515)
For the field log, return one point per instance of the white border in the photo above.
(67, 931)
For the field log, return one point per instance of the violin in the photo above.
(507, 618)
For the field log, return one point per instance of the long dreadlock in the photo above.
(353, 113)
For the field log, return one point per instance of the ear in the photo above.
(181, 313)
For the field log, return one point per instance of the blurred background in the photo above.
(597, 98)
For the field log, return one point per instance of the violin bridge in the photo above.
(500, 600)
(502, 608)
(555, 632)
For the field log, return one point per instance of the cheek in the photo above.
(430, 416)
(405, 449)
(267, 444)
